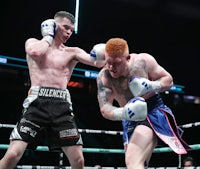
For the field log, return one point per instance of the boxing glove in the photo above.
(140, 86)
(48, 30)
(98, 52)
(134, 110)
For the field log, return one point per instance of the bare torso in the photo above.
(118, 87)
(53, 69)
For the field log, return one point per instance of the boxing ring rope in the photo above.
(189, 125)
(101, 150)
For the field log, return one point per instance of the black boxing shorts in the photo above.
(47, 113)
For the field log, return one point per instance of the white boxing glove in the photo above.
(98, 52)
(140, 86)
(48, 30)
(134, 110)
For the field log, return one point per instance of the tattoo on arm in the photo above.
(104, 93)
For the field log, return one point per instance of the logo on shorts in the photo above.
(68, 133)
(52, 93)
(28, 130)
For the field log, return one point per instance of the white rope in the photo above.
(80, 130)
(189, 125)
(100, 131)
(7, 125)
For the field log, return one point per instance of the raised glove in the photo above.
(48, 30)
(140, 86)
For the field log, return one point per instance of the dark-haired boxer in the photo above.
(48, 107)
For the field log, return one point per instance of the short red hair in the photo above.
(116, 47)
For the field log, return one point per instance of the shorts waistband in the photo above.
(49, 92)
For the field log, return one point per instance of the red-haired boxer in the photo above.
(48, 104)
(133, 80)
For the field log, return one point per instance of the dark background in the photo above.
(166, 29)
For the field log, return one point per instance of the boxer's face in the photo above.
(65, 29)
(116, 65)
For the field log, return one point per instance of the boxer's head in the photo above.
(116, 47)
(117, 55)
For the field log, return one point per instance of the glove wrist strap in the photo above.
(156, 86)
(118, 114)
(48, 39)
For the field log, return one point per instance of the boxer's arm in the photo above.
(105, 98)
(140, 86)
(95, 58)
(134, 110)
(158, 79)
(35, 47)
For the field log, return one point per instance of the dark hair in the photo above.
(64, 14)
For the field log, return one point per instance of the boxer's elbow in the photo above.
(33, 52)
(103, 113)
(106, 113)
(167, 83)
(35, 48)
(170, 81)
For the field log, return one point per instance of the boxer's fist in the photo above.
(140, 86)
(48, 30)
(98, 52)
(48, 27)
(135, 109)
